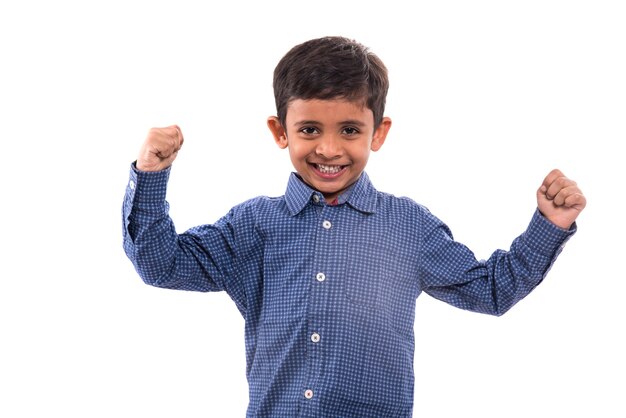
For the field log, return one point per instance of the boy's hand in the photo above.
(560, 200)
(160, 148)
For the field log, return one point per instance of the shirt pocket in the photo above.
(382, 278)
(368, 268)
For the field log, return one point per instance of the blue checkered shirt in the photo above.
(328, 291)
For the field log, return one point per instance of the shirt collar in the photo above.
(361, 195)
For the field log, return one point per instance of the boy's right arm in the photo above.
(161, 257)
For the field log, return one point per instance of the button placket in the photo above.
(323, 257)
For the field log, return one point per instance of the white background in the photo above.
(486, 97)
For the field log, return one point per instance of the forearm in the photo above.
(518, 271)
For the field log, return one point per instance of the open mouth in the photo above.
(328, 169)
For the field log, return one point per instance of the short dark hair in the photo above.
(328, 68)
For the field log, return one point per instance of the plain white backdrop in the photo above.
(486, 97)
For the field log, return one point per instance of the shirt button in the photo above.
(308, 393)
(131, 184)
(320, 277)
(316, 198)
(315, 337)
(327, 224)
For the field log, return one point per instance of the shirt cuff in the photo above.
(147, 186)
(545, 238)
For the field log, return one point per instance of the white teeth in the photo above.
(329, 169)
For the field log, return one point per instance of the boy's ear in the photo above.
(380, 134)
(280, 136)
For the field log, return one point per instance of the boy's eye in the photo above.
(308, 130)
(350, 130)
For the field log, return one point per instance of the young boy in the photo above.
(326, 276)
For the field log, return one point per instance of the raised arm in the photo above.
(161, 256)
(451, 272)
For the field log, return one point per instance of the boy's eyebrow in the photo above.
(306, 122)
(353, 122)
(343, 122)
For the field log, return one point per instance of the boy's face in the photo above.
(329, 141)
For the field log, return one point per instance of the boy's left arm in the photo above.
(560, 200)
(494, 285)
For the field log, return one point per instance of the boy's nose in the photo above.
(329, 147)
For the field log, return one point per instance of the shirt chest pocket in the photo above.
(371, 271)
(379, 277)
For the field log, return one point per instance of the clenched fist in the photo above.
(160, 148)
(560, 200)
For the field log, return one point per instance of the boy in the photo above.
(326, 276)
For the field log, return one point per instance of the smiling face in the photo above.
(329, 141)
